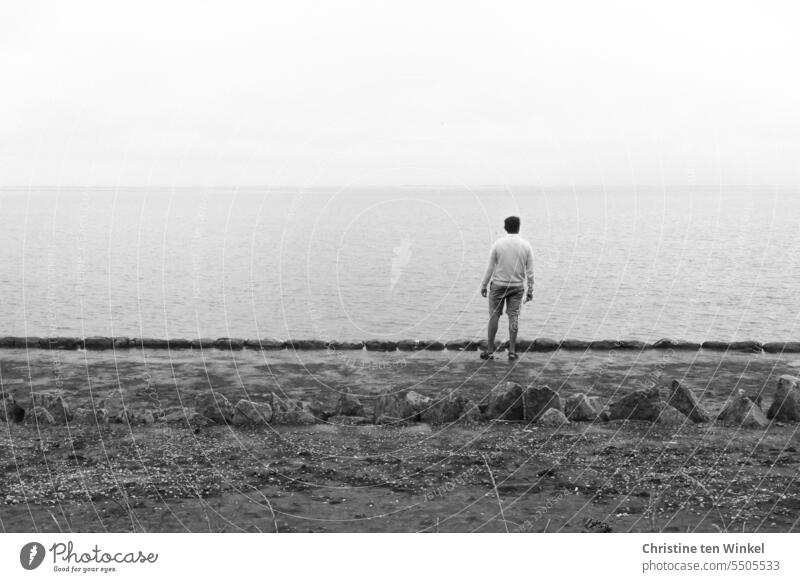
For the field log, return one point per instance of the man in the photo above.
(510, 264)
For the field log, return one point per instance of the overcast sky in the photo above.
(357, 93)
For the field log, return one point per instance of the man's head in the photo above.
(512, 224)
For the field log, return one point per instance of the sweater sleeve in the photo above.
(490, 268)
(529, 267)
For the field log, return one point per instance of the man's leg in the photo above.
(494, 320)
(513, 305)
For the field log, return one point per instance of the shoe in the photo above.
(512, 356)
(487, 356)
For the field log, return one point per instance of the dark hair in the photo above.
(512, 224)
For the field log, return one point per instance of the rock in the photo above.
(739, 410)
(264, 344)
(388, 404)
(380, 346)
(431, 345)
(505, 402)
(10, 411)
(408, 345)
(634, 345)
(670, 416)
(179, 344)
(150, 343)
(683, 399)
(472, 412)
(122, 343)
(27, 342)
(214, 406)
(458, 345)
(282, 404)
(782, 347)
(307, 344)
(537, 400)
(60, 343)
(317, 409)
(348, 405)
(574, 345)
(55, 404)
(580, 407)
(147, 417)
(645, 404)
(501, 347)
(739, 346)
(386, 420)
(415, 405)
(671, 344)
(203, 343)
(786, 402)
(545, 344)
(39, 416)
(90, 416)
(115, 408)
(604, 345)
(299, 417)
(448, 409)
(7, 341)
(552, 417)
(187, 417)
(249, 413)
(349, 420)
(343, 345)
(98, 343)
(229, 343)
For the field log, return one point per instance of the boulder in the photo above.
(179, 344)
(282, 403)
(739, 410)
(344, 345)
(89, 416)
(524, 345)
(545, 344)
(504, 402)
(605, 345)
(186, 417)
(264, 344)
(537, 400)
(786, 402)
(229, 343)
(738, 346)
(444, 410)
(249, 413)
(10, 411)
(39, 416)
(55, 404)
(380, 346)
(388, 404)
(458, 345)
(306, 344)
(645, 404)
(299, 417)
(408, 345)
(683, 399)
(782, 347)
(316, 408)
(122, 343)
(348, 405)
(634, 345)
(214, 406)
(671, 344)
(203, 343)
(150, 343)
(349, 420)
(7, 341)
(670, 416)
(431, 345)
(60, 343)
(552, 417)
(98, 343)
(26, 342)
(472, 412)
(115, 408)
(579, 407)
(415, 405)
(574, 345)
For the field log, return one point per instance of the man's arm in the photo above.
(489, 270)
(529, 273)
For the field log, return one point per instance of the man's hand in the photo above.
(483, 291)
(529, 295)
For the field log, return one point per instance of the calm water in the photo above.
(396, 263)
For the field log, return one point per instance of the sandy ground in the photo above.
(618, 476)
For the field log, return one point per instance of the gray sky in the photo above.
(357, 93)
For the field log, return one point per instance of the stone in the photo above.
(349, 420)
(472, 412)
(782, 347)
(415, 405)
(387, 420)
(264, 344)
(10, 411)
(60, 343)
(249, 413)
(348, 405)
(282, 403)
(380, 346)
(55, 404)
(229, 343)
(785, 405)
(738, 346)
(408, 345)
(458, 345)
(316, 408)
(27, 342)
(7, 341)
(115, 408)
(214, 406)
(671, 344)
(122, 343)
(151, 343)
(683, 399)
(645, 404)
(670, 416)
(739, 410)
(298, 417)
(445, 410)
(345, 345)
(388, 404)
(306, 344)
(635, 345)
(90, 416)
(39, 416)
(545, 344)
(537, 400)
(579, 407)
(505, 402)
(203, 343)
(552, 417)
(98, 343)
(179, 344)
(574, 345)
(604, 345)
(187, 417)
(431, 345)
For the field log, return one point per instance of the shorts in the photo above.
(511, 296)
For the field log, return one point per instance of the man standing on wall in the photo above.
(510, 264)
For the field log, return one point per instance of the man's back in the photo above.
(510, 262)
